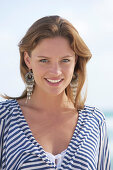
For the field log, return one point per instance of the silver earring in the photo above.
(29, 79)
(74, 84)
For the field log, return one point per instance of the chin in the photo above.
(56, 93)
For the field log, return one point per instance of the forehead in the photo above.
(53, 46)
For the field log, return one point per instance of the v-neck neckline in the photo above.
(70, 149)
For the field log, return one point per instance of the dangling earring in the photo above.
(29, 79)
(74, 84)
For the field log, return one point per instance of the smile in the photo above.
(53, 81)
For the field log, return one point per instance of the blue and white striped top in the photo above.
(87, 150)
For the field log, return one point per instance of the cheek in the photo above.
(38, 71)
(69, 70)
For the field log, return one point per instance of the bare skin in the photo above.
(50, 115)
(52, 130)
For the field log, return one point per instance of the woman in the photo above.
(49, 126)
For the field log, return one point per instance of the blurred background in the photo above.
(94, 21)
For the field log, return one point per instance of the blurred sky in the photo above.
(94, 21)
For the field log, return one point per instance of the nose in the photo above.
(55, 69)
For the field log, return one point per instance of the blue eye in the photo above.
(43, 61)
(66, 60)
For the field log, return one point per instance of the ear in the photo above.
(27, 60)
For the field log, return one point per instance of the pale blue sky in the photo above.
(94, 21)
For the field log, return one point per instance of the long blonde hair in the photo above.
(52, 26)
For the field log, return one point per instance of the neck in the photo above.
(48, 102)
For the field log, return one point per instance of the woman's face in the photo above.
(52, 63)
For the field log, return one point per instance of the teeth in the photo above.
(54, 81)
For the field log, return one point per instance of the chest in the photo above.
(52, 132)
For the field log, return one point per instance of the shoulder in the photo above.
(6, 107)
(94, 113)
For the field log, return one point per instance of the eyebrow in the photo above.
(60, 57)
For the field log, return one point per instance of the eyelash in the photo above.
(45, 60)
(67, 60)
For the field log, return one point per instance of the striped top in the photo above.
(87, 150)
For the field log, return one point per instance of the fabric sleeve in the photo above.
(104, 156)
(2, 125)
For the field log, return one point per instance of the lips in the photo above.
(53, 82)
